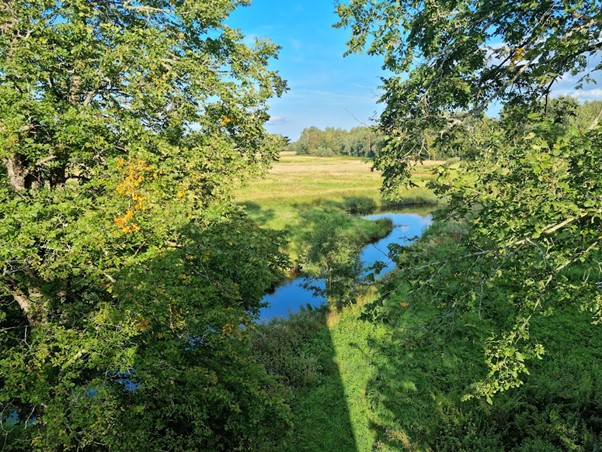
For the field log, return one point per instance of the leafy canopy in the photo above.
(123, 263)
(450, 58)
(530, 195)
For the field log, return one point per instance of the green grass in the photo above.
(299, 182)
(390, 373)
(396, 383)
(321, 356)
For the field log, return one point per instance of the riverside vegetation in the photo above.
(390, 371)
(318, 354)
(298, 185)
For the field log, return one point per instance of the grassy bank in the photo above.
(299, 182)
(390, 375)
(389, 372)
(298, 185)
(321, 355)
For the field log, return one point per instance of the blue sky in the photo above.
(325, 89)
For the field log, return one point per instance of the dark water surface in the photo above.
(294, 294)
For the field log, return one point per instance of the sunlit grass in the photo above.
(333, 412)
(298, 181)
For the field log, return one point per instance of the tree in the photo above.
(461, 57)
(128, 279)
(531, 197)
(586, 114)
(359, 141)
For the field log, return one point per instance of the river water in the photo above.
(294, 294)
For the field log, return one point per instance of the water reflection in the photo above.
(291, 296)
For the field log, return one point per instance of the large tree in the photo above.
(128, 281)
(531, 198)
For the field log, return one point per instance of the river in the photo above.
(292, 295)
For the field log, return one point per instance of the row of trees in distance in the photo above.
(366, 141)
(361, 141)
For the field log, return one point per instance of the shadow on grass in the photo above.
(299, 352)
(258, 213)
(421, 375)
(365, 205)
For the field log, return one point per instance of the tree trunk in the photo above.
(17, 172)
(34, 317)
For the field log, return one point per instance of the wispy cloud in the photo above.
(581, 94)
(277, 120)
(591, 90)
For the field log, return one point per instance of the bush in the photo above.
(284, 347)
(360, 205)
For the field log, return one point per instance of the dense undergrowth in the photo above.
(431, 358)
(391, 372)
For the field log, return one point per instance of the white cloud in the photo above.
(276, 120)
(566, 85)
(582, 94)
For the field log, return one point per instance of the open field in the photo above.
(299, 181)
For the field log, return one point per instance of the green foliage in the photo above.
(123, 127)
(428, 358)
(530, 191)
(299, 352)
(444, 60)
(286, 347)
(359, 141)
(332, 244)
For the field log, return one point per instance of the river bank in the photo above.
(298, 184)
(390, 372)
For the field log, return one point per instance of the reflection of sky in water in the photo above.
(406, 228)
(300, 292)
(294, 294)
(290, 297)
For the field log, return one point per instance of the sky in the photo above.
(325, 88)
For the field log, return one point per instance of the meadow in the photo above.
(299, 186)
(390, 371)
(321, 355)
(298, 182)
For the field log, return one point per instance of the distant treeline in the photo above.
(359, 141)
(366, 141)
